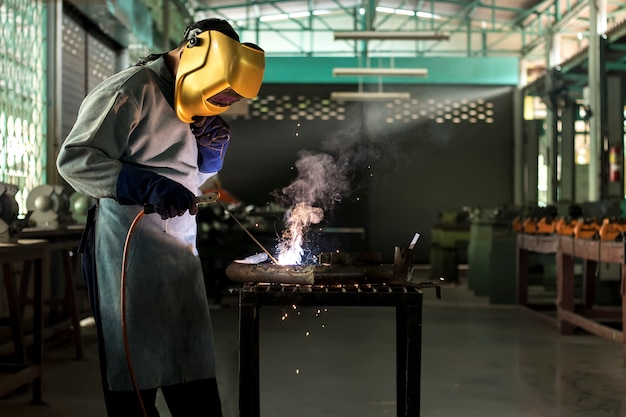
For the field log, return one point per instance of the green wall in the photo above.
(453, 70)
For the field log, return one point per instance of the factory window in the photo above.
(22, 95)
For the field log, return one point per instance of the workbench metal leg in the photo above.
(589, 283)
(565, 290)
(414, 360)
(623, 293)
(24, 284)
(409, 359)
(70, 303)
(249, 384)
(37, 359)
(15, 313)
(522, 276)
(401, 360)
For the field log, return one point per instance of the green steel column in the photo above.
(518, 147)
(568, 157)
(54, 28)
(597, 26)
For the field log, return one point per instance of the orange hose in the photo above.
(123, 312)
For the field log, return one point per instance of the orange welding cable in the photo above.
(123, 311)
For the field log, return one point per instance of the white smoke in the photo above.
(320, 184)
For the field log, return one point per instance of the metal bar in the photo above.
(377, 35)
(41, 272)
(565, 291)
(70, 299)
(592, 326)
(14, 312)
(249, 396)
(368, 96)
(522, 273)
(401, 360)
(398, 72)
(248, 233)
(414, 360)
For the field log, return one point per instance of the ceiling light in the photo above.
(373, 34)
(294, 15)
(273, 17)
(367, 96)
(401, 72)
(406, 12)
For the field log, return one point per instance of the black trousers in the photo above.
(196, 398)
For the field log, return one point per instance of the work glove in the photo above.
(155, 192)
(212, 136)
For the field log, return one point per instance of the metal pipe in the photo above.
(248, 233)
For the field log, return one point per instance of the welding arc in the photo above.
(248, 233)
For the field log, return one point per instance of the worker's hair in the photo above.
(219, 25)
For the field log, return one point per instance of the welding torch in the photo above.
(206, 198)
(212, 197)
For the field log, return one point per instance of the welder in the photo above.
(144, 141)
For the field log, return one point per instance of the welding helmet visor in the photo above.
(214, 72)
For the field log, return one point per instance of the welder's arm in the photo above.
(155, 192)
(212, 136)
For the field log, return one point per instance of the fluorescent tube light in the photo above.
(389, 72)
(274, 17)
(367, 96)
(388, 35)
(406, 12)
(293, 15)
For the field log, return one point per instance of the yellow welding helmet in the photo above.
(214, 72)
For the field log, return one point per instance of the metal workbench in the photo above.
(407, 301)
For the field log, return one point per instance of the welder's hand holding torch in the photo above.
(155, 192)
(212, 136)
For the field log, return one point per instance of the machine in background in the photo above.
(449, 242)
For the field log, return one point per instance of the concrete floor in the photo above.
(478, 360)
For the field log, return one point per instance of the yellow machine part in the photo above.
(565, 227)
(586, 229)
(611, 229)
(546, 226)
(529, 226)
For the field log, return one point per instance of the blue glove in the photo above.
(212, 136)
(155, 192)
